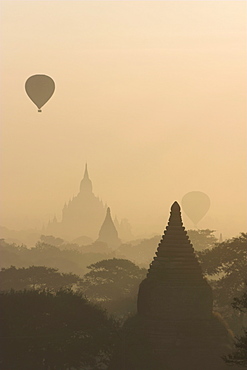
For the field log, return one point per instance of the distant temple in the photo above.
(175, 327)
(82, 216)
(108, 232)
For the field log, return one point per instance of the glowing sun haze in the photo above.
(152, 94)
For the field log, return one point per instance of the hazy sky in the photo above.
(152, 94)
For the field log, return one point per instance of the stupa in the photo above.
(108, 233)
(175, 303)
(175, 284)
(175, 327)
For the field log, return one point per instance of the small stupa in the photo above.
(108, 233)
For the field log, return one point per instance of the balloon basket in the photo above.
(39, 110)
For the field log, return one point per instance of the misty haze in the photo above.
(123, 234)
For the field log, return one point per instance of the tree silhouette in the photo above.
(141, 251)
(227, 257)
(111, 279)
(66, 260)
(41, 330)
(227, 263)
(52, 240)
(35, 277)
(202, 239)
(114, 283)
(239, 356)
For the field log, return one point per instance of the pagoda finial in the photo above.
(175, 215)
(86, 172)
(175, 207)
(86, 183)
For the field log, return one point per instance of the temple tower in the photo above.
(175, 286)
(108, 232)
(175, 327)
(83, 214)
(86, 186)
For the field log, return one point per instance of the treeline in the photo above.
(54, 318)
(67, 257)
(60, 330)
(111, 283)
(114, 282)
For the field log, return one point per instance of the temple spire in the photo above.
(86, 172)
(176, 260)
(86, 184)
(108, 232)
(175, 276)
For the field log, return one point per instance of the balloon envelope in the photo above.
(39, 88)
(195, 204)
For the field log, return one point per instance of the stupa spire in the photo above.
(175, 268)
(86, 172)
(108, 232)
(175, 257)
(86, 183)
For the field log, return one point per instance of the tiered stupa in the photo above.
(175, 304)
(108, 233)
(175, 327)
(175, 283)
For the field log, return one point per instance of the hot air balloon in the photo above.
(195, 204)
(40, 89)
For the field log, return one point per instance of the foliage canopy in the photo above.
(42, 330)
(35, 277)
(239, 356)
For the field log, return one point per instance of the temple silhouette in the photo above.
(108, 233)
(175, 327)
(83, 216)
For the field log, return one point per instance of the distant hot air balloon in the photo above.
(40, 89)
(195, 204)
